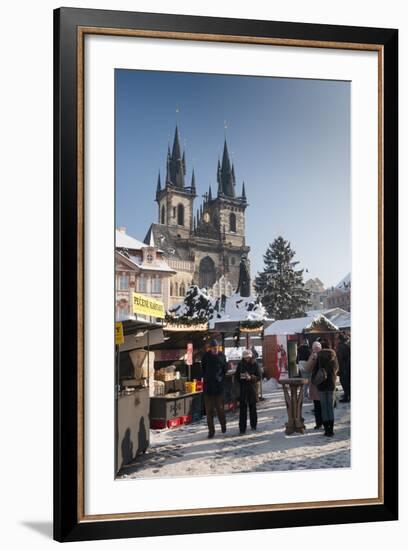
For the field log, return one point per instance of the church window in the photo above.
(176, 289)
(182, 289)
(171, 289)
(174, 211)
(180, 214)
(232, 260)
(207, 273)
(163, 215)
(233, 222)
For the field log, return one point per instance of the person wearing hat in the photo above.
(214, 366)
(247, 376)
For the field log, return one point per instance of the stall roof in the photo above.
(337, 315)
(298, 325)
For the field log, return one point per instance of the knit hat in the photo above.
(213, 343)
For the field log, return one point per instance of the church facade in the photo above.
(204, 245)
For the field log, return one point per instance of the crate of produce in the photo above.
(186, 419)
(174, 422)
(189, 387)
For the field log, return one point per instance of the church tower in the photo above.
(175, 199)
(224, 214)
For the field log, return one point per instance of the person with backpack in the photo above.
(324, 376)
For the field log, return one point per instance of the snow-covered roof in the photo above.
(297, 325)
(345, 282)
(238, 308)
(340, 317)
(158, 265)
(123, 240)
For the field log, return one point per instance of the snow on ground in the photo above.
(186, 451)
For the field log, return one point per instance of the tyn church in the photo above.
(205, 246)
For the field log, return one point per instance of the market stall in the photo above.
(134, 378)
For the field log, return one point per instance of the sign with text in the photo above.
(119, 338)
(145, 305)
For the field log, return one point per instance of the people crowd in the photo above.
(319, 365)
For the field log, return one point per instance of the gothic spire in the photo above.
(226, 174)
(176, 162)
(193, 186)
(209, 193)
(243, 195)
(158, 189)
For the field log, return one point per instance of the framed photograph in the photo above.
(225, 274)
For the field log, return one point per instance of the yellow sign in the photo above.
(147, 306)
(119, 338)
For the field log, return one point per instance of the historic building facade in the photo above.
(141, 268)
(203, 246)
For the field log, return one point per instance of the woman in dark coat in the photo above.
(327, 361)
(247, 376)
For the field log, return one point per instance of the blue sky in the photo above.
(289, 140)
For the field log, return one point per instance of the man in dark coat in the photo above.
(327, 361)
(247, 376)
(214, 366)
(343, 357)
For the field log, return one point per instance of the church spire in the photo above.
(209, 193)
(226, 174)
(176, 162)
(158, 188)
(193, 185)
(243, 195)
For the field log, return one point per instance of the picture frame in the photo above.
(71, 26)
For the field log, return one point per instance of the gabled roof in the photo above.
(298, 325)
(123, 240)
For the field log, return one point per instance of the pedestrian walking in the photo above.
(313, 391)
(324, 376)
(247, 376)
(214, 366)
(303, 354)
(343, 357)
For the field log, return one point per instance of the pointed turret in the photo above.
(168, 181)
(209, 193)
(183, 162)
(243, 194)
(193, 185)
(158, 188)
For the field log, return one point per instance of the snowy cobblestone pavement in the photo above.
(186, 451)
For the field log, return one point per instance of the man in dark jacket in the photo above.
(247, 376)
(343, 357)
(327, 361)
(214, 366)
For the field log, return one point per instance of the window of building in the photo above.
(142, 284)
(163, 215)
(175, 289)
(182, 290)
(123, 281)
(157, 285)
(232, 260)
(180, 214)
(233, 222)
(171, 289)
